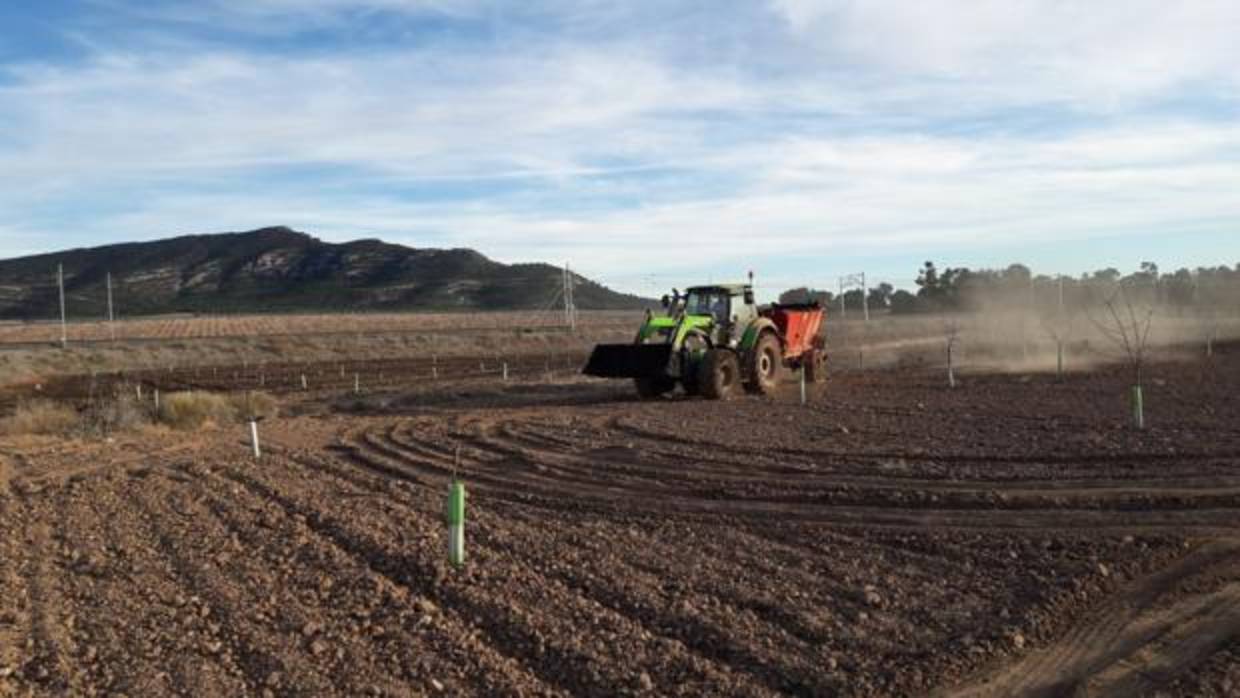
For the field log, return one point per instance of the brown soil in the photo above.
(1010, 537)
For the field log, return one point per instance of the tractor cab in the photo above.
(729, 306)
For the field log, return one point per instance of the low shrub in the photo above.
(181, 410)
(195, 409)
(39, 417)
(254, 404)
(122, 413)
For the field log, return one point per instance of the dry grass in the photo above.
(123, 413)
(182, 410)
(40, 417)
(196, 409)
(254, 404)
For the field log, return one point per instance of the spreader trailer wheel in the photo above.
(814, 364)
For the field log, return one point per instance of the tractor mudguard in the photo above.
(755, 330)
(630, 361)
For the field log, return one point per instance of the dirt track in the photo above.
(1011, 537)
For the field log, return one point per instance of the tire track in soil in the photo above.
(779, 623)
(710, 639)
(652, 469)
(709, 550)
(653, 458)
(548, 474)
(413, 466)
(1130, 640)
(390, 444)
(1203, 626)
(671, 663)
(760, 468)
(349, 444)
(630, 426)
(524, 486)
(415, 460)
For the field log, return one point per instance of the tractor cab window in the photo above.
(713, 303)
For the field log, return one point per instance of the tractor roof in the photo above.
(729, 288)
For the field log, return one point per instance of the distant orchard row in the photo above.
(192, 327)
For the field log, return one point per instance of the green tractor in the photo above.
(712, 340)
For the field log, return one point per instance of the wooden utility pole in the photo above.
(570, 308)
(865, 302)
(1024, 323)
(60, 282)
(111, 316)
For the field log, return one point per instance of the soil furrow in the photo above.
(446, 631)
(50, 664)
(507, 628)
(1117, 628)
(130, 643)
(266, 655)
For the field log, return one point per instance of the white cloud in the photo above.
(1092, 54)
(886, 126)
(409, 111)
(989, 191)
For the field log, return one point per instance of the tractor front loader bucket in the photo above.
(629, 361)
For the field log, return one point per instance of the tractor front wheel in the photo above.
(692, 350)
(718, 374)
(764, 362)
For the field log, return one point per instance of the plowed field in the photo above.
(173, 327)
(1010, 537)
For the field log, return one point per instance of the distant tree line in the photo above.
(1210, 289)
(879, 297)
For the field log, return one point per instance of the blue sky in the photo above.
(650, 144)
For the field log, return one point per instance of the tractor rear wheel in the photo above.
(650, 388)
(718, 374)
(764, 362)
(814, 363)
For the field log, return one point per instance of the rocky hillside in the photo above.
(278, 269)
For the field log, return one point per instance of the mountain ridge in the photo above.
(278, 269)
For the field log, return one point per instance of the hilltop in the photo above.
(278, 269)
